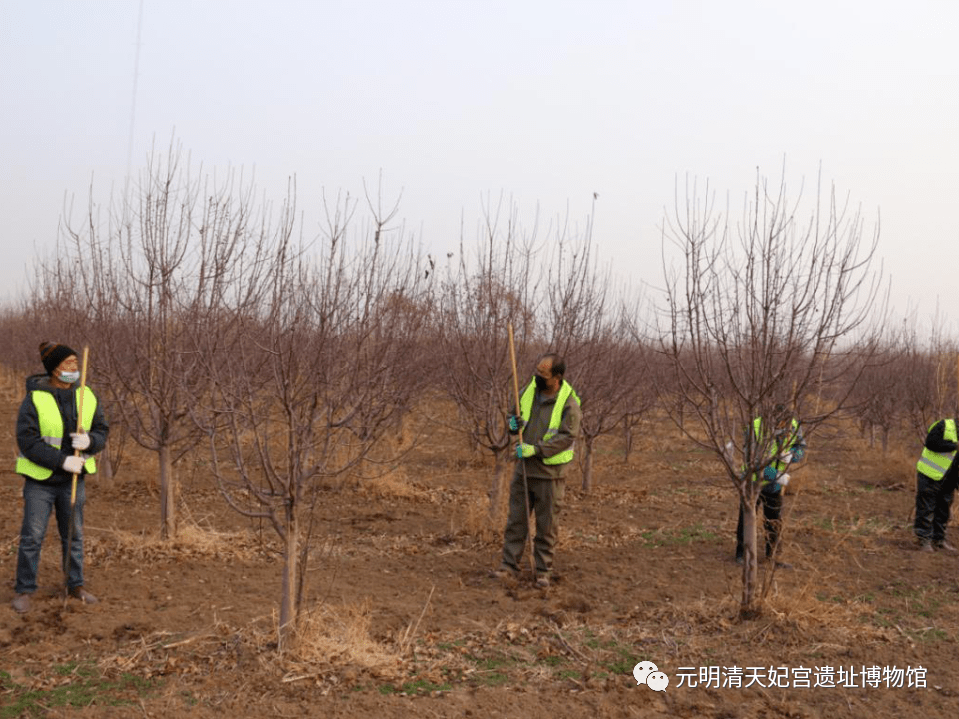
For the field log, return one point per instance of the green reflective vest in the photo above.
(51, 430)
(526, 407)
(934, 464)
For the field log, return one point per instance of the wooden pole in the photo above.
(522, 462)
(73, 486)
(512, 359)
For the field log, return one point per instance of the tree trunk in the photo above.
(749, 608)
(290, 581)
(105, 469)
(627, 439)
(588, 464)
(167, 495)
(496, 488)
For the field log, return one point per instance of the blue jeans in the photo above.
(39, 498)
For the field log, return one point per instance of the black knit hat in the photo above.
(52, 355)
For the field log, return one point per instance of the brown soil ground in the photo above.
(402, 619)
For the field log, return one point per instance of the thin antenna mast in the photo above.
(133, 107)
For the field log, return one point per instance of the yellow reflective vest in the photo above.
(934, 464)
(52, 430)
(787, 445)
(777, 447)
(555, 419)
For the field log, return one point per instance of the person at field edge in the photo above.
(548, 424)
(936, 478)
(48, 439)
(788, 447)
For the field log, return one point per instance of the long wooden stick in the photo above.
(73, 486)
(512, 359)
(522, 463)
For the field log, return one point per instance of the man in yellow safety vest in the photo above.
(50, 440)
(549, 424)
(935, 484)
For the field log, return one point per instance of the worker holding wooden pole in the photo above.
(60, 427)
(546, 423)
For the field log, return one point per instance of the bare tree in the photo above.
(929, 377)
(307, 384)
(879, 399)
(645, 375)
(585, 325)
(759, 312)
(25, 325)
(481, 294)
(141, 282)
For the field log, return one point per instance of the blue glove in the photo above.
(798, 454)
(524, 451)
(515, 424)
(770, 474)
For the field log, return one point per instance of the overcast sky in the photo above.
(544, 101)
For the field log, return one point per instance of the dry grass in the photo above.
(471, 517)
(807, 620)
(12, 387)
(340, 636)
(791, 618)
(391, 484)
(329, 642)
(192, 540)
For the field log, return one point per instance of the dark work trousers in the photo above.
(772, 506)
(545, 497)
(933, 500)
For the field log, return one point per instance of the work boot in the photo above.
(21, 603)
(944, 546)
(924, 545)
(542, 581)
(503, 572)
(83, 595)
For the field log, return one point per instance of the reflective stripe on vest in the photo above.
(51, 430)
(555, 419)
(934, 464)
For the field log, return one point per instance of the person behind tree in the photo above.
(787, 446)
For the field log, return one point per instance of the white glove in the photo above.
(787, 458)
(783, 480)
(729, 452)
(80, 440)
(73, 465)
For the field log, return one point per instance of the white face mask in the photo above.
(69, 377)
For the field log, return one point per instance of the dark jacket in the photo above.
(29, 439)
(936, 442)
